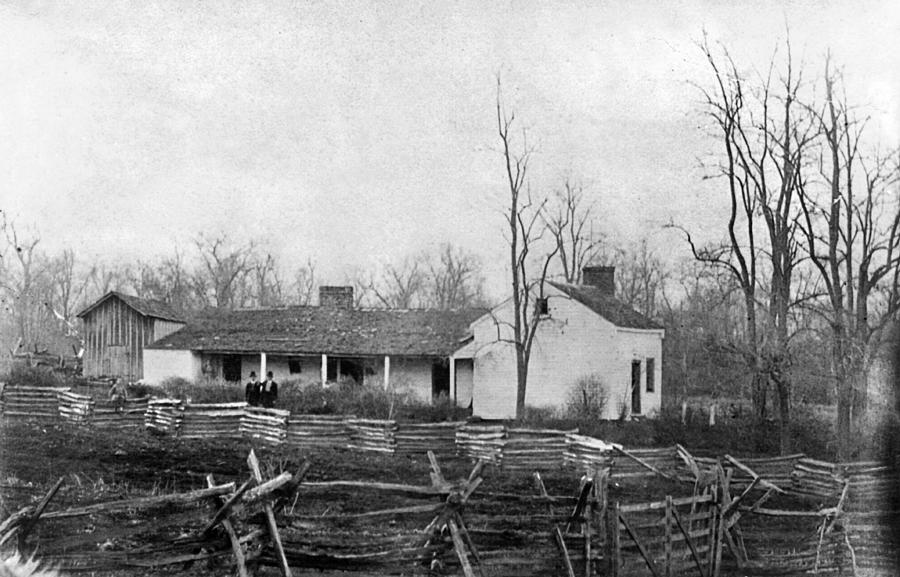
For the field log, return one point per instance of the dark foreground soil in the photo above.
(102, 465)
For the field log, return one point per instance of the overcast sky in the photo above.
(354, 133)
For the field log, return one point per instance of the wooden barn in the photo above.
(117, 327)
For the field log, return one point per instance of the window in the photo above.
(543, 307)
(651, 375)
(294, 366)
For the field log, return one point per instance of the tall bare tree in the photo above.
(851, 228)
(766, 140)
(524, 231)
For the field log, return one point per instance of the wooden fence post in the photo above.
(613, 543)
(229, 529)
(253, 463)
(668, 536)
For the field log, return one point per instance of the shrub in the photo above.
(25, 376)
(206, 390)
(439, 410)
(587, 399)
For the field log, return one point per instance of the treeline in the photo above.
(41, 293)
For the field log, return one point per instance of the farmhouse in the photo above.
(405, 349)
(584, 331)
(117, 327)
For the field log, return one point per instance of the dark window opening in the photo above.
(543, 306)
(231, 368)
(651, 375)
(636, 387)
(294, 366)
(340, 369)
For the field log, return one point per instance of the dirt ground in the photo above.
(107, 465)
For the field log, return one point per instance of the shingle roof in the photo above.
(608, 307)
(147, 307)
(318, 330)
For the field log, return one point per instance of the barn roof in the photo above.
(146, 307)
(607, 306)
(325, 330)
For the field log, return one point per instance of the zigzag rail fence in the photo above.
(787, 515)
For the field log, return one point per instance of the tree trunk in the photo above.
(844, 395)
(783, 388)
(521, 382)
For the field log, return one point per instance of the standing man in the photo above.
(251, 392)
(268, 392)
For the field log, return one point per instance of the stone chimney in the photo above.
(602, 277)
(338, 297)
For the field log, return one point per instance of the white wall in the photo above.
(640, 346)
(465, 374)
(160, 364)
(572, 343)
(411, 375)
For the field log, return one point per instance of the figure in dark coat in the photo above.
(268, 392)
(251, 393)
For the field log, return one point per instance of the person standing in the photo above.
(117, 395)
(268, 392)
(251, 392)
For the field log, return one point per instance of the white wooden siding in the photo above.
(574, 342)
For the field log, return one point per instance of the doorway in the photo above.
(440, 378)
(636, 387)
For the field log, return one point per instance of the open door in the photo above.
(635, 387)
(440, 378)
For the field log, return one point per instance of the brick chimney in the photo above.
(602, 277)
(338, 297)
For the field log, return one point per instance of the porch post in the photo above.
(324, 369)
(453, 376)
(387, 371)
(262, 366)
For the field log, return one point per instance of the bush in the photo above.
(25, 376)
(204, 391)
(442, 409)
(369, 401)
(587, 399)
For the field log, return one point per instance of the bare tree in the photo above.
(524, 230)
(400, 286)
(570, 220)
(221, 281)
(765, 142)
(67, 288)
(640, 278)
(454, 280)
(21, 269)
(305, 283)
(852, 236)
(268, 283)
